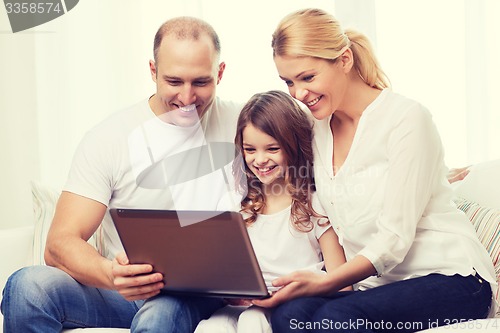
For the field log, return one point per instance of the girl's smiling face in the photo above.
(263, 155)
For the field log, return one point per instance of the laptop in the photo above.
(199, 253)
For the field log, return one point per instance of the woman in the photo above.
(413, 257)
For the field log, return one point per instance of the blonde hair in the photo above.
(315, 33)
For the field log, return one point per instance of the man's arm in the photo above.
(75, 220)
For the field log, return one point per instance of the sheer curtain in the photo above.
(444, 53)
(63, 77)
(441, 53)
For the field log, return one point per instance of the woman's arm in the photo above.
(341, 275)
(415, 170)
(306, 283)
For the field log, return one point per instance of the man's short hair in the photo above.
(185, 27)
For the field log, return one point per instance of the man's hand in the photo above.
(135, 282)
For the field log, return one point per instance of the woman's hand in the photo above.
(297, 284)
(135, 282)
(307, 283)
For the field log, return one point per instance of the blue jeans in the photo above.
(404, 306)
(45, 299)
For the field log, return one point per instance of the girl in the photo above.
(380, 174)
(285, 221)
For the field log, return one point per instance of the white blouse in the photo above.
(391, 202)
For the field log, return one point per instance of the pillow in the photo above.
(44, 206)
(486, 221)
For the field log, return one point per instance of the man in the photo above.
(116, 165)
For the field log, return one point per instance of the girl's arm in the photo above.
(333, 253)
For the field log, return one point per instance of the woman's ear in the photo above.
(347, 60)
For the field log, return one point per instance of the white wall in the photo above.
(63, 77)
(18, 130)
(444, 54)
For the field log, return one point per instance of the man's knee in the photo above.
(30, 289)
(35, 281)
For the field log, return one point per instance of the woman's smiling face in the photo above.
(318, 83)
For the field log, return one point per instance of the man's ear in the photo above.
(222, 67)
(152, 69)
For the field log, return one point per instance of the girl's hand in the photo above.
(238, 301)
(297, 284)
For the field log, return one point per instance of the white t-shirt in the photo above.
(281, 249)
(135, 160)
(391, 202)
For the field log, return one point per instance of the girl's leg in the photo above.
(174, 314)
(255, 319)
(224, 320)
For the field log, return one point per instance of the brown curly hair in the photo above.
(279, 116)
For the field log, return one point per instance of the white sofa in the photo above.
(478, 195)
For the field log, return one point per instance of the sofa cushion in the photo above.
(486, 221)
(44, 205)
